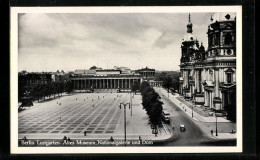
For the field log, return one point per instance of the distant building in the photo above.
(29, 79)
(117, 78)
(103, 79)
(210, 76)
(59, 76)
(146, 72)
(124, 70)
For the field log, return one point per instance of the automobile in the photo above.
(182, 128)
(166, 116)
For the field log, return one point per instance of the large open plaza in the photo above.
(97, 115)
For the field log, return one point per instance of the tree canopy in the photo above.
(151, 103)
(135, 86)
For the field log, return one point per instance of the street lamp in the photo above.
(216, 123)
(192, 109)
(124, 104)
(131, 105)
(194, 100)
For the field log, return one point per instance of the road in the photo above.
(193, 135)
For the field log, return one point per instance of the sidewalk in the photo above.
(188, 109)
(202, 121)
(162, 137)
(223, 136)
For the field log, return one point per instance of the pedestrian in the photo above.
(65, 139)
(140, 139)
(93, 106)
(76, 99)
(92, 100)
(211, 132)
(24, 138)
(60, 118)
(85, 133)
(69, 139)
(111, 139)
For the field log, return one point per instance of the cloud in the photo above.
(48, 42)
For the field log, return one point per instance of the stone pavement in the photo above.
(188, 110)
(206, 123)
(96, 113)
(224, 136)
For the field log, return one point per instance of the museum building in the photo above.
(117, 78)
(209, 77)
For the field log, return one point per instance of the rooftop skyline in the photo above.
(59, 41)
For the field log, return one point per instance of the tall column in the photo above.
(184, 79)
(85, 85)
(118, 84)
(111, 84)
(80, 86)
(131, 82)
(114, 82)
(122, 84)
(217, 99)
(199, 82)
(205, 97)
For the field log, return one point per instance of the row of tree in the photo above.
(151, 103)
(43, 90)
(170, 79)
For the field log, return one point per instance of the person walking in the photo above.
(111, 139)
(65, 139)
(85, 133)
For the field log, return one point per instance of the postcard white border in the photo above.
(65, 150)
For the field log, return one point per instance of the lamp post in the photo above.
(192, 109)
(216, 124)
(124, 104)
(131, 103)
(194, 100)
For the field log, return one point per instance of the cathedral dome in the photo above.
(223, 16)
(188, 37)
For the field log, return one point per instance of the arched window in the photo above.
(229, 75)
(228, 39)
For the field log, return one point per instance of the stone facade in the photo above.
(209, 77)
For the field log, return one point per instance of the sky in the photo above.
(59, 41)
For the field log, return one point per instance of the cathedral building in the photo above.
(209, 77)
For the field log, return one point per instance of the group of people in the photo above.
(66, 139)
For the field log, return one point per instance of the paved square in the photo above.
(95, 113)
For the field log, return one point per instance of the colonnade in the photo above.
(82, 84)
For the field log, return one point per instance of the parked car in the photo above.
(166, 116)
(182, 128)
